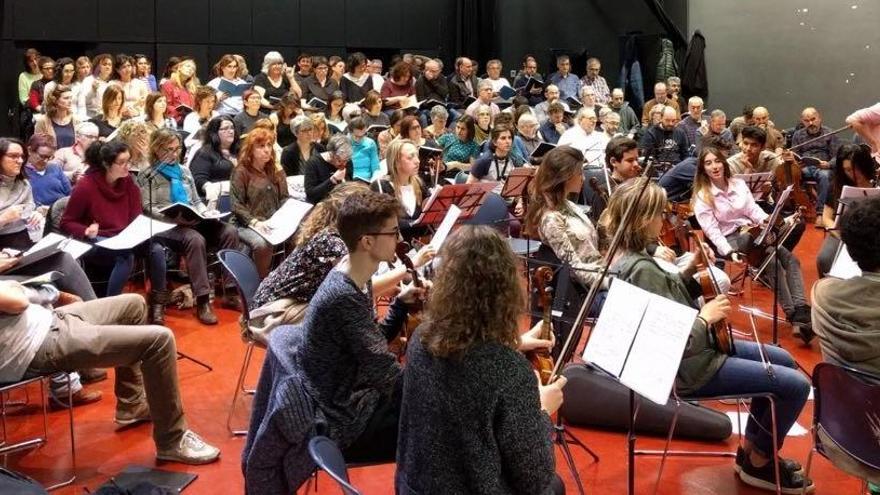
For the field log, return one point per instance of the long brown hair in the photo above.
(702, 182)
(324, 214)
(476, 297)
(652, 203)
(547, 190)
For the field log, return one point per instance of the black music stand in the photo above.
(758, 183)
(467, 197)
(517, 184)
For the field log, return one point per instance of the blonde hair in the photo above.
(192, 83)
(159, 140)
(645, 209)
(320, 121)
(131, 132)
(476, 297)
(392, 155)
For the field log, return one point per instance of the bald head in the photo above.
(669, 118)
(811, 119)
(660, 92)
(761, 117)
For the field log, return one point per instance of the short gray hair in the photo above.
(718, 113)
(485, 83)
(270, 58)
(440, 112)
(301, 123)
(339, 145)
(86, 128)
(585, 112)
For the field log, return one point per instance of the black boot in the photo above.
(158, 300)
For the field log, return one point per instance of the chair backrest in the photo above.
(493, 212)
(328, 457)
(847, 407)
(244, 272)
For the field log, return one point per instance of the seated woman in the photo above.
(373, 114)
(724, 206)
(471, 361)
(483, 123)
(439, 117)
(357, 81)
(854, 168)
(321, 135)
(65, 75)
(215, 159)
(559, 223)
(227, 70)
(144, 72)
(398, 88)
(167, 183)
(459, 149)
(155, 107)
(326, 170)
(47, 180)
(194, 123)
(30, 74)
(385, 137)
(37, 89)
(136, 135)
(705, 371)
(102, 204)
(365, 153)
(333, 112)
(318, 248)
(245, 120)
(294, 156)
(72, 158)
(111, 114)
(92, 92)
(403, 182)
(257, 190)
(59, 121)
(288, 109)
(431, 168)
(134, 89)
(180, 89)
(319, 85)
(275, 81)
(497, 164)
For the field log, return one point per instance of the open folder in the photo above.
(639, 339)
(285, 221)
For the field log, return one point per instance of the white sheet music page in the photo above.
(445, 227)
(844, 267)
(285, 221)
(617, 326)
(849, 194)
(137, 232)
(658, 347)
(72, 247)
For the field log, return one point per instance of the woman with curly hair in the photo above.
(60, 120)
(468, 353)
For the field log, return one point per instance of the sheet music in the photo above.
(72, 247)
(783, 198)
(844, 267)
(285, 221)
(445, 227)
(657, 350)
(852, 193)
(137, 232)
(617, 326)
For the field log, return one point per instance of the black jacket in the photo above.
(436, 89)
(694, 81)
(458, 91)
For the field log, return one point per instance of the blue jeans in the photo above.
(123, 262)
(743, 374)
(822, 177)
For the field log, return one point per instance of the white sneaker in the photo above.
(190, 450)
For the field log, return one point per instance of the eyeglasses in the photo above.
(45, 157)
(14, 156)
(48, 67)
(395, 232)
(89, 136)
(175, 149)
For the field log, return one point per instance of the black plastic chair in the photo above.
(247, 280)
(328, 457)
(493, 212)
(846, 420)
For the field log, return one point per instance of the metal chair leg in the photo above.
(239, 389)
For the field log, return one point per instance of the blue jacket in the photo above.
(50, 186)
(365, 157)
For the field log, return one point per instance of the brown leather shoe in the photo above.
(79, 398)
(205, 313)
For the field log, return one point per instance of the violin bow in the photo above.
(817, 138)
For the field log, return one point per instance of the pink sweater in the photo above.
(734, 208)
(866, 122)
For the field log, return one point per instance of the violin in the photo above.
(540, 358)
(721, 331)
(789, 174)
(675, 235)
(414, 319)
(757, 253)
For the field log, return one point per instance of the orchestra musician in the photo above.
(725, 207)
(705, 371)
(484, 427)
(403, 182)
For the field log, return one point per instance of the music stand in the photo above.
(467, 197)
(517, 184)
(758, 183)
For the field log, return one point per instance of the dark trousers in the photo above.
(192, 243)
(378, 442)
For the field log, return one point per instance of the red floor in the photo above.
(103, 452)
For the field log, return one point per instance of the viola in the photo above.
(789, 174)
(721, 331)
(540, 358)
(414, 319)
(757, 252)
(674, 235)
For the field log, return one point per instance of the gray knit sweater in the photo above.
(472, 425)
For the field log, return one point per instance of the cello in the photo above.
(540, 358)
(789, 174)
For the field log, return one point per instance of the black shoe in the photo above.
(205, 313)
(804, 323)
(231, 301)
(789, 465)
(92, 375)
(764, 477)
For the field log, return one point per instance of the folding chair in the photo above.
(6, 448)
(244, 273)
(846, 421)
(328, 457)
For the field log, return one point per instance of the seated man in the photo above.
(551, 96)
(694, 123)
(102, 333)
(584, 137)
(569, 84)
(665, 142)
(484, 97)
(555, 126)
(661, 97)
(822, 150)
(753, 158)
(629, 122)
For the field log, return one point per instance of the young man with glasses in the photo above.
(339, 352)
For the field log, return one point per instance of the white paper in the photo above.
(796, 429)
(285, 221)
(780, 203)
(137, 232)
(72, 247)
(657, 350)
(617, 326)
(852, 193)
(445, 227)
(844, 267)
